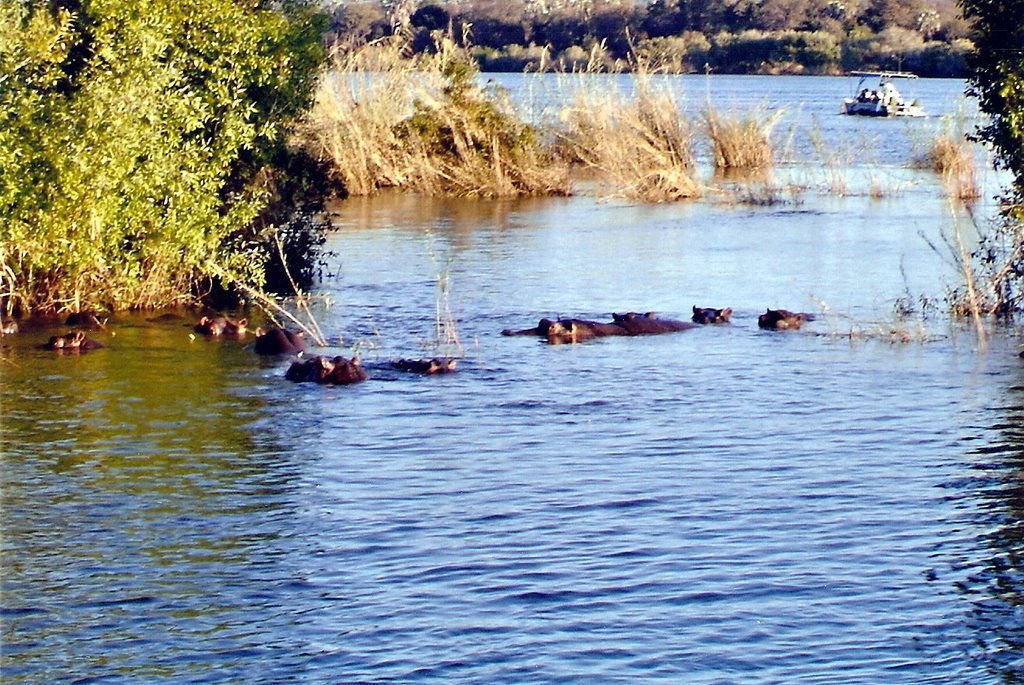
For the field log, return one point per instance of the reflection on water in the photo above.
(992, 579)
(720, 505)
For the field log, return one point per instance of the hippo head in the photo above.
(344, 371)
(570, 331)
(783, 319)
(236, 327)
(707, 315)
(441, 365)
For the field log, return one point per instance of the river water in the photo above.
(722, 505)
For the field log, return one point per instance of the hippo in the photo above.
(221, 326)
(279, 341)
(649, 324)
(783, 319)
(541, 329)
(706, 315)
(71, 342)
(83, 320)
(427, 367)
(336, 371)
(579, 330)
(568, 330)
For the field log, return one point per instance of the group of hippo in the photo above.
(336, 370)
(275, 341)
(340, 370)
(578, 330)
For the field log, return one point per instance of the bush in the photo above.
(741, 142)
(131, 144)
(639, 147)
(423, 124)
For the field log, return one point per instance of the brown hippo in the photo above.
(220, 326)
(783, 320)
(540, 330)
(84, 320)
(71, 342)
(428, 367)
(279, 341)
(649, 324)
(578, 330)
(706, 315)
(336, 371)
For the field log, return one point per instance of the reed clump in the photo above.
(637, 146)
(741, 141)
(993, 272)
(950, 156)
(423, 124)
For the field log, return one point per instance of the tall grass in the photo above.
(422, 123)
(637, 146)
(741, 141)
(949, 155)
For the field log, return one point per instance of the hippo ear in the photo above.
(695, 310)
(243, 322)
(727, 312)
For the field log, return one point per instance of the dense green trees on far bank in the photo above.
(726, 36)
(142, 146)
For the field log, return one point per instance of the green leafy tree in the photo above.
(997, 77)
(136, 142)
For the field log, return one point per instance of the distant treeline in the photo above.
(927, 37)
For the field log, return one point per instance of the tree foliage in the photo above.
(136, 143)
(801, 36)
(997, 77)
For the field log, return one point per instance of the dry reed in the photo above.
(949, 155)
(898, 332)
(834, 162)
(422, 123)
(638, 147)
(741, 141)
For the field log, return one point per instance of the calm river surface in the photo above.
(722, 505)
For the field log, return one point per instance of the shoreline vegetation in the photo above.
(721, 36)
(138, 178)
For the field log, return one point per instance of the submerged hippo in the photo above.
(71, 342)
(706, 315)
(540, 330)
(783, 319)
(649, 324)
(578, 330)
(428, 367)
(279, 341)
(335, 371)
(84, 320)
(568, 330)
(221, 326)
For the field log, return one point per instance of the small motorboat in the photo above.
(882, 100)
